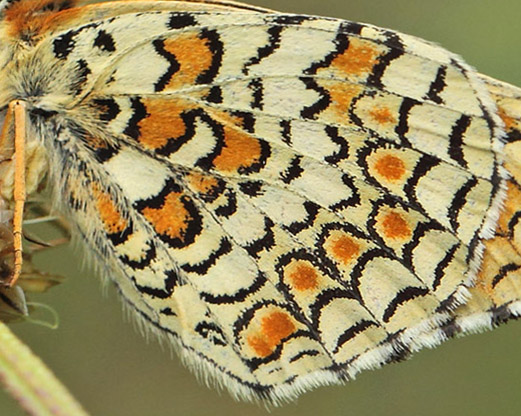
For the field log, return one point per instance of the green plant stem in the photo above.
(30, 382)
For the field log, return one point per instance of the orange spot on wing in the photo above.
(163, 122)
(342, 95)
(302, 276)
(359, 58)
(202, 183)
(382, 115)
(344, 248)
(193, 55)
(390, 167)
(108, 212)
(273, 329)
(172, 219)
(276, 326)
(510, 122)
(496, 284)
(227, 119)
(395, 226)
(30, 17)
(260, 345)
(240, 150)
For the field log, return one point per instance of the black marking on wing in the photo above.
(285, 126)
(420, 230)
(437, 85)
(141, 264)
(202, 268)
(108, 108)
(255, 363)
(237, 297)
(247, 316)
(512, 223)
(139, 112)
(193, 226)
(352, 332)
(289, 19)
(325, 298)
(215, 95)
(251, 188)
(423, 166)
(211, 332)
(352, 200)
(266, 242)
(503, 272)
(439, 272)
(459, 200)
(304, 353)
(266, 50)
(189, 119)
(456, 140)
(402, 297)
(247, 120)
(310, 112)
(312, 210)
(54, 6)
(230, 208)
(181, 20)
(82, 74)
(105, 42)
(173, 67)
(171, 281)
(293, 171)
(216, 48)
(341, 42)
(167, 312)
(352, 28)
(258, 93)
(403, 126)
(343, 146)
(450, 303)
(121, 237)
(375, 78)
(513, 135)
(392, 39)
(63, 45)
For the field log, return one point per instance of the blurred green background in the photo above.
(101, 356)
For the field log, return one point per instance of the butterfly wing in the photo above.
(495, 294)
(290, 199)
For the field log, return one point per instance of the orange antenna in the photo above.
(18, 108)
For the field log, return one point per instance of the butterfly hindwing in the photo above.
(291, 199)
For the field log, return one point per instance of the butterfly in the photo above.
(287, 199)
